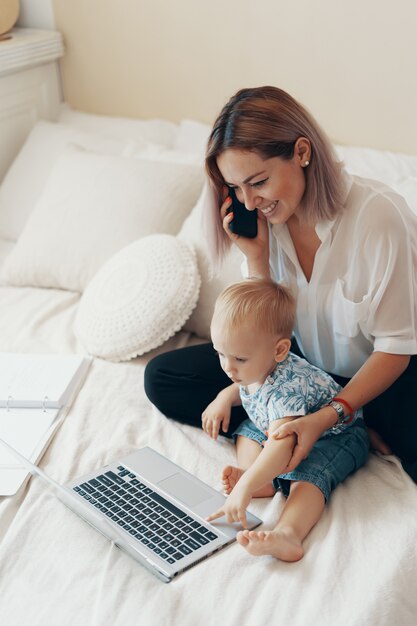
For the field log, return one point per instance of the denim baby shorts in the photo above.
(331, 460)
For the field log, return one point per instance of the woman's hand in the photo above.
(256, 250)
(307, 430)
(217, 413)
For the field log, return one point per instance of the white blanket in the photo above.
(360, 566)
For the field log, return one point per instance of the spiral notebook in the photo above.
(36, 391)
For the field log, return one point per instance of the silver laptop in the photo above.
(151, 508)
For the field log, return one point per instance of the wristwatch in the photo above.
(340, 410)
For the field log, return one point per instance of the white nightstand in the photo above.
(30, 87)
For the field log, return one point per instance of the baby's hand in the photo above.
(217, 412)
(234, 508)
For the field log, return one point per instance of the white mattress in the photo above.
(360, 563)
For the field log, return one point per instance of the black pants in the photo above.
(183, 382)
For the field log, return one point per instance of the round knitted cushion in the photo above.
(140, 298)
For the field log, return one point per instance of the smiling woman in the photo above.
(346, 247)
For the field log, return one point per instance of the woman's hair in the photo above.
(268, 121)
(266, 305)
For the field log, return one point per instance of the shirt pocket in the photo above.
(348, 316)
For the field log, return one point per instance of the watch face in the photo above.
(339, 409)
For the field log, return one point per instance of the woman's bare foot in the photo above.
(282, 544)
(231, 475)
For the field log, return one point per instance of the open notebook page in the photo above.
(23, 429)
(12, 474)
(27, 379)
(39, 380)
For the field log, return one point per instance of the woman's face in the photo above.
(274, 186)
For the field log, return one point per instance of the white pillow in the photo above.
(159, 153)
(139, 299)
(388, 167)
(5, 248)
(92, 206)
(192, 136)
(211, 284)
(27, 176)
(395, 170)
(157, 131)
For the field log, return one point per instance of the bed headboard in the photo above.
(351, 63)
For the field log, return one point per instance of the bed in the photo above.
(360, 566)
(157, 73)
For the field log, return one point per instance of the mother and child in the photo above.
(319, 341)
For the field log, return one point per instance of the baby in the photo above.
(251, 331)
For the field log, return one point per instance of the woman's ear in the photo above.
(281, 349)
(302, 151)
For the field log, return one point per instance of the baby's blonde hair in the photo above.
(266, 305)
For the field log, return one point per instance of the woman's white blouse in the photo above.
(362, 296)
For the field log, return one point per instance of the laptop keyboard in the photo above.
(146, 515)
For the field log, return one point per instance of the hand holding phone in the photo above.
(244, 222)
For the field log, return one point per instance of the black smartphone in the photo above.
(244, 222)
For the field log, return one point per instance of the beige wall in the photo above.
(36, 14)
(352, 62)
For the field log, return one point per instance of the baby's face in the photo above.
(246, 355)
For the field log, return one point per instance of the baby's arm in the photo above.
(218, 412)
(271, 462)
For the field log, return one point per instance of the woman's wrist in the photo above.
(259, 268)
(327, 417)
(345, 411)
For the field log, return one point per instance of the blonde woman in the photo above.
(347, 248)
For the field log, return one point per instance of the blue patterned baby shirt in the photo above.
(295, 387)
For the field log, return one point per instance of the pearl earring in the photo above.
(306, 163)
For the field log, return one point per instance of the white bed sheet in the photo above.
(360, 566)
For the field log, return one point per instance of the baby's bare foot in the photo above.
(231, 475)
(282, 544)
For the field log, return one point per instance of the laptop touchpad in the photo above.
(185, 489)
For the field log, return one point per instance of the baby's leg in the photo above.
(301, 512)
(247, 451)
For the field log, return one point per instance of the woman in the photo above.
(347, 248)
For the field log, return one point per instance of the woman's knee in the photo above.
(153, 377)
